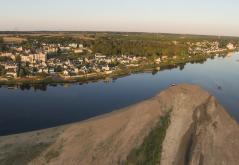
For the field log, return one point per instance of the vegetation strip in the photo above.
(150, 151)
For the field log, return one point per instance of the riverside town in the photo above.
(54, 58)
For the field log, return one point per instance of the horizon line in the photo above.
(112, 31)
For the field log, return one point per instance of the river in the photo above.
(27, 108)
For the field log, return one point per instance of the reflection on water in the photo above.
(29, 107)
(43, 87)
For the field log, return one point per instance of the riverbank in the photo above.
(183, 124)
(150, 67)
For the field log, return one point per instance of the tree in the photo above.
(58, 69)
(5, 59)
(2, 70)
(1, 40)
(18, 59)
(23, 72)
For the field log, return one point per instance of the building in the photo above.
(33, 58)
(65, 48)
(11, 70)
(81, 46)
(78, 51)
(9, 55)
(10, 66)
(73, 45)
(11, 73)
(157, 61)
(65, 73)
(105, 68)
(25, 58)
(164, 58)
(41, 57)
(19, 49)
(99, 56)
(230, 46)
(76, 70)
(51, 50)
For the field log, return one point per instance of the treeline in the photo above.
(2, 70)
(63, 40)
(138, 44)
(111, 46)
(145, 44)
(1, 44)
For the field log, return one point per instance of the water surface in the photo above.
(30, 109)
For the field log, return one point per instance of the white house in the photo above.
(98, 56)
(230, 46)
(164, 58)
(105, 68)
(78, 51)
(11, 73)
(157, 61)
(65, 73)
(73, 45)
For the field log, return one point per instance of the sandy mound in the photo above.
(201, 132)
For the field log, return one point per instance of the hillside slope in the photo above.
(200, 132)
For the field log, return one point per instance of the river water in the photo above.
(27, 108)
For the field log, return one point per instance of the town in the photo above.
(69, 60)
(21, 63)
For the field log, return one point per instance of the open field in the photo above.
(14, 39)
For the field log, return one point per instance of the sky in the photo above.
(215, 17)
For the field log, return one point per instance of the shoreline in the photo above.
(94, 77)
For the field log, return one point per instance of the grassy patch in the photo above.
(23, 154)
(149, 153)
(51, 155)
(54, 153)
